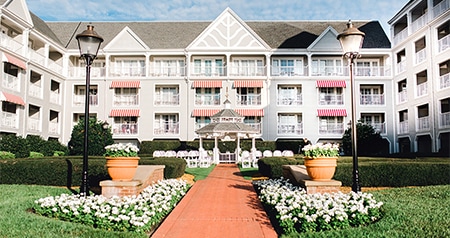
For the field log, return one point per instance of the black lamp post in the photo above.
(351, 41)
(88, 43)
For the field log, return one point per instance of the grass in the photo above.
(199, 173)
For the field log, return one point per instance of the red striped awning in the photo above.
(11, 98)
(330, 83)
(125, 84)
(204, 112)
(124, 113)
(207, 84)
(248, 84)
(250, 112)
(13, 60)
(331, 113)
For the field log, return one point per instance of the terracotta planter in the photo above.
(122, 168)
(321, 169)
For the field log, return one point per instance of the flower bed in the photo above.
(135, 213)
(297, 211)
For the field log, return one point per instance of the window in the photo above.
(201, 122)
(367, 68)
(129, 67)
(169, 67)
(331, 125)
(125, 96)
(125, 125)
(248, 67)
(290, 124)
(166, 124)
(80, 93)
(289, 95)
(207, 96)
(287, 67)
(331, 96)
(248, 96)
(371, 95)
(167, 95)
(374, 120)
(208, 67)
(323, 67)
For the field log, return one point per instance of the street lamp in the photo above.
(88, 43)
(351, 41)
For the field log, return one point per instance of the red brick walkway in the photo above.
(222, 205)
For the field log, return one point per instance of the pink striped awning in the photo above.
(11, 98)
(125, 84)
(250, 112)
(331, 113)
(207, 84)
(13, 60)
(248, 84)
(330, 83)
(204, 112)
(124, 113)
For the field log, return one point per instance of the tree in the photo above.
(369, 141)
(98, 138)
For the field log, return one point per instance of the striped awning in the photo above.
(330, 83)
(204, 112)
(125, 84)
(331, 113)
(250, 112)
(207, 84)
(13, 60)
(11, 98)
(248, 84)
(124, 113)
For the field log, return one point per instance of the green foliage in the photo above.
(7, 155)
(148, 147)
(22, 147)
(174, 167)
(59, 153)
(34, 154)
(98, 138)
(369, 142)
(272, 167)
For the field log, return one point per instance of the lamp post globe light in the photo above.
(351, 41)
(88, 43)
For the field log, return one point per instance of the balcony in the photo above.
(35, 91)
(296, 101)
(125, 128)
(207, 100)
(170, 128)
(403, 127)
(80, 72)
(371, 99)
(444, 120)
(55, 98)
(10, 43)
(79, 100)
(402, 96)
(379, 127)
(444, 43)
(423, 123)
(331, 99)
(422, 89)
(290, 129)
(11, 82)
(330, 71)
(255, 125)
(136, 71)
(55, 66)
(9, 120)
(53, 128)
(248, 100)
(167, 99)
(331, 129)
(419, 22)
(37, 57)
(444, 81)
(34, 124)
(421, 56)
(401, 66)
(126, 100)
(441, 8)
(370, 71)
(216, 71)
(400, 36)
(289, 71)
(248, 71)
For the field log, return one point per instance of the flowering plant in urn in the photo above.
(321, 150)
(121, 150)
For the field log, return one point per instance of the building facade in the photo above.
(163, 80)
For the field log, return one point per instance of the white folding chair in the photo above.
(246, 160)
(267, 153)
(204, 160)
(192, 159)
(277, 153)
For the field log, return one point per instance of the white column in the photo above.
(216, 150)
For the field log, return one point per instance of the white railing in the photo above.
(35, 91)
(96, 72)
(441, 8)
(422, 89)
(331, 99)
(168, 71)
(421, 55)
(444, 120)
(444, 80)
(136, 71)
(419, 22)
(401, 36)
(371, 99)
(167, 99)
(290, 129)
(255, 125)
(401, 66)
(379, 127)
(55, 66)
(37, 57)
(199, 125)
(423, 123)
(10, 43)
(55, 97)
(78, 100)
(125, 128)
(11, 82)
(34, 124)
(126, 100)
(208, 71)
(331, 128)
(330, 71)
(289, 71)
(369, 71)
(53, 127)
(290, 101)
(248, 100)
(248, 71)
(444, 43)
(168, 128)
(403, 127)
(402, 96)
(9, 120)
(212, 99)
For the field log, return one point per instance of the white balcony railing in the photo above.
(96, 72)
(55, 98)
(330, 71)
(401, 66)
(9, 120)
(255, 125)
(248, 71)
(137, 71)
(441, 8)
(290, 129)
(379, 127)
(444, 120)
(402, 96)
(55, 66)
(371, 99)
(283, 101)
(331, 99)
(34, 124)
(53, 127)
(423, 123)
(207, 100)
(400, 36)
(403, 127)
(419, 22)
(331, 128)
(168, 71)
(126, 100)
(289, 71)
(169, 128)
(444, 43)
(78, 100)
(369, 71)
(167, 99)
(421, 55)
(11, 82)
(35, 91)
(125, 128)
(10, 43)
(444, 81)
(215, 71)
(248, 100)
(37, 57)
(422, 89)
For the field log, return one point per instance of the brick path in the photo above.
(222, 205)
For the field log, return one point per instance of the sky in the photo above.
(208, 10)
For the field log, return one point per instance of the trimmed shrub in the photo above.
(148, 147)
(34, 154)
(59, 153)
(272, 167)
(174, 167)
(6, 155)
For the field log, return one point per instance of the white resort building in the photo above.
(163, 80)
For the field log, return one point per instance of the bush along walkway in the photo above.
(222, 205)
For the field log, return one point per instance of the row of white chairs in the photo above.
(278, 153)
(195, 158)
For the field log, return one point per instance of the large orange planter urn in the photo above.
(321, 169)
(122, 168)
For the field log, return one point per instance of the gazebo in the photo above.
(227, 125)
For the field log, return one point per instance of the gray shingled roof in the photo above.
(226, 127)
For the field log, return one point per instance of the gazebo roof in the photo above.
(226, 121)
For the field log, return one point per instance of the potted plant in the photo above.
(122, 161)
(320, 160)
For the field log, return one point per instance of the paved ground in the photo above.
(222, 205)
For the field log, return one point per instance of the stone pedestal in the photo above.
(145, 176)
(297, 175)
